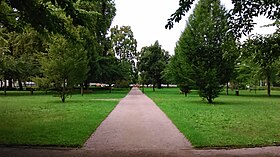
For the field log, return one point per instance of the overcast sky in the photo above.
(147, 19)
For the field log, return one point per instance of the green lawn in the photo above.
(247, 120)
(42, 120)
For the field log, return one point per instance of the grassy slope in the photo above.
(244, 121)
(44, 120)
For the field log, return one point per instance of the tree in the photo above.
(152, 63)
(178, 71)
(83, 23)
(241, 15)
(203, 48)
(98, 44)
(19, 55)
(231, 53)
(65, 65)
(124, 44)
(264, 51)
(39, 14)
(124, 47)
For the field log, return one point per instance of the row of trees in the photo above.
(207, 56)
(62, 44)
(68, 43)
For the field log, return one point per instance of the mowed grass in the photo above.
(248, 120)
(42, 120)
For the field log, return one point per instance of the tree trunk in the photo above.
(63, 92)
(185, 94)
(82, 89)
(5, 87)
(255, 89)
(10, 83)
(236, 90)
(210, 101)
(159, 85)
(20, 85)
(110, 88)
(1, 84)
(143, 87)
(227, 88)
(154, 87)
(63, 98)
(86, 85)
(31, 91)
(268, 86)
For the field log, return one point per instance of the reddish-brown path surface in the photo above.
(136, 128)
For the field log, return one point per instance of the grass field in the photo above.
(247, 120)
(42, 120)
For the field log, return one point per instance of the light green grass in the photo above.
(247, 120)
(42, 120)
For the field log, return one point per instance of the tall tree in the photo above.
(264, 51)
(19, 51)
(152, 64)
(124, 44)
(98, 44)
(178, 71)
(203, 47)
(65, 65)
(124, 47)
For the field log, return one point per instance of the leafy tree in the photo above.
(246, 74)
(40, 14)
(152, 63)
(203, 48)
(231, 53)
(124, 47)
(65, 65)
(111, 70)
(178, 71)
(19, 55)
(98, 44)
(83, 22)
(241, 15)
(264, 51)
(124, 44)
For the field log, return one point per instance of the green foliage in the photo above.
(122, 84)
(19, 54)
(250, 120)
(65, 65)
(263, 53)
(153, 60)
(241, 16)
(27, 26)
(124, 48)
(178, 71)
(124, 44)
(204, 56)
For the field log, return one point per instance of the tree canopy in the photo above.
(241, 16)
(152, 62)
(203, 50)
(263, 53)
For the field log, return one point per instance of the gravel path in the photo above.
(138, 128)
